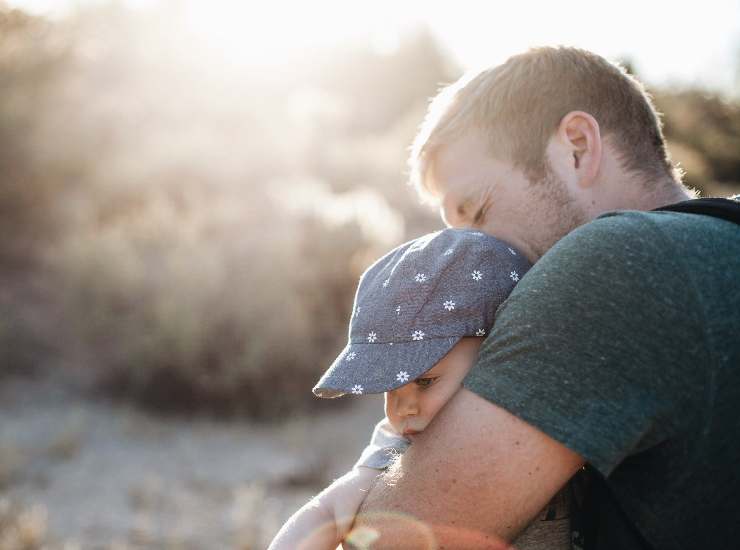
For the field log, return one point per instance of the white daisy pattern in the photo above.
(357, 311)
(357, 389)
(398, 310)
(513, 253)
(478, 234)
(420, 277)
(448, 252)
(372, 337)
(477, 275)
(385, 283)
(480, 332)
(402, 376)
(514, 276)
(351, 355)
(417, 335)
(449, 305)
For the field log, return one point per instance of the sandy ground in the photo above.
(81, 472)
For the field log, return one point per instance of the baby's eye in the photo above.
(424, 383)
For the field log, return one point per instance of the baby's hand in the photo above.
(347, 494)
(323, 522)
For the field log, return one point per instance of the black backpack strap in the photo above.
(726, 209)
(598, 521)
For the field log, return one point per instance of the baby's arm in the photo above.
(323, 522)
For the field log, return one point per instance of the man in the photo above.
(619, 350)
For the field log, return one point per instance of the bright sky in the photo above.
(669, 41)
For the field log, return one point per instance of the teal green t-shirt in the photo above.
(623, 343)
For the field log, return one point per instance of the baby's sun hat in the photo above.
(416, 302)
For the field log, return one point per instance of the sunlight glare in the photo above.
(251, 35)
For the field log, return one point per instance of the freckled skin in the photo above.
(492, 499)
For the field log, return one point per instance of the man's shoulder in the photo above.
(666, 222)
(636, 225)
(633, 259)
(616, 239)
(651, 237)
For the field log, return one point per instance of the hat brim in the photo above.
(379, 367)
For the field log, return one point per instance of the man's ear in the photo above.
(579, 133)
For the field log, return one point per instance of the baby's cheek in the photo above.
(435, 404)
(391, 416)
(395, 424)
(442, 397)
(388, 405)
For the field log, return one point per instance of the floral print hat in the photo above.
(416, 302)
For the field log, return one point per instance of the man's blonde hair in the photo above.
(517, 106)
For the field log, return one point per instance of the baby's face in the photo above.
(411, 408)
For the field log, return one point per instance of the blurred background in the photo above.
(189, 192)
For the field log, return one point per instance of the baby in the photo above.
(420, 314)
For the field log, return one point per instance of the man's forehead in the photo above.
(446, 175)
(464, 162)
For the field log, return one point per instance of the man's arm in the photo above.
(475, 478)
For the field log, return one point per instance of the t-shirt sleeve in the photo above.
(385, 445)
(594, 346)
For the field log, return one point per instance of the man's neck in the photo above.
(642, 197)
(666, 192)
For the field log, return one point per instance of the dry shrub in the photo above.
(24, 326)
(147, 175)
(32, 56)
(217, 306)
(703, 130)
(12, 459)
(21, 527)
(16, 342)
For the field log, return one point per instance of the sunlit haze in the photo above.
(668, 42)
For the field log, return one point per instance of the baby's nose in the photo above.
(408, 404)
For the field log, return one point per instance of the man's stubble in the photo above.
(558, 211)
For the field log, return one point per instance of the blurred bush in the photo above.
(209, 226)
(191, 232)
(22, 527)
(33, 55)
(185, 310)
(703, 130)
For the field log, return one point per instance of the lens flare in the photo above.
(405, 532)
